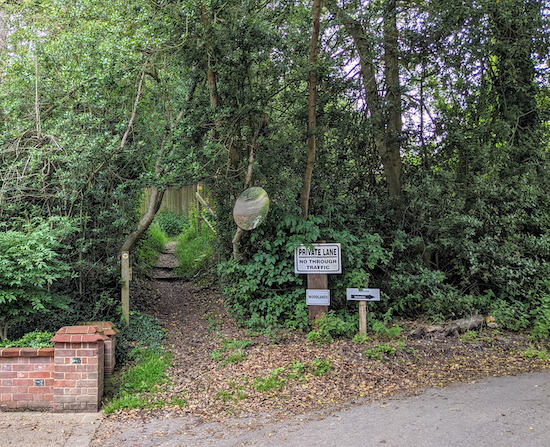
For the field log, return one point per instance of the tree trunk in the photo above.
(311, 118)
(145, 221)
(391, 153)
(385, 111)
(3, 32)
(251, 160)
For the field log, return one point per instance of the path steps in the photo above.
(164, 269)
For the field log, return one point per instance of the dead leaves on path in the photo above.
(294, 377)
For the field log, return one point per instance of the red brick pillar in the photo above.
(107, 328)
(78, 369)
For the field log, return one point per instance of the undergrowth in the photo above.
(139, 384)
(194, 251)
(141, 349)
(35, 339)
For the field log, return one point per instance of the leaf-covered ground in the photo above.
(221, 370)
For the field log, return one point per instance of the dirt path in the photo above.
(233, 380)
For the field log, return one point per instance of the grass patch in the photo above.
(532, 353)
(383, 350)
(194, 251)
(321, 367)
(231, 351)
(151, 246)
(138, 385)
(272, 382)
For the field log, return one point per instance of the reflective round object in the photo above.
(251, 208)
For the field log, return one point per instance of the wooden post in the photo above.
(125, 268)
(362, 317)
(198, 211)
(317, 281)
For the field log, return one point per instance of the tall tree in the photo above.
(311, 125)
(382, 90)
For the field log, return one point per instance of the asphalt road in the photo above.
(500, 412)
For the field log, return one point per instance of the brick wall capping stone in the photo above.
(26, 352)
(88, 329)
(78, 338)
(106, 327)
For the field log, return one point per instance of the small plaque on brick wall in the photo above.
(76, 360)
(38, 382)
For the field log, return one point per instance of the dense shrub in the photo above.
(171, 223)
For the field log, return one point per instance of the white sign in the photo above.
(317, 297)
(363, 294)
(322, 258)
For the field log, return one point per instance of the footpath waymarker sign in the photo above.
(318, 297)
(125, 290)
(363, 295)
(321, 258)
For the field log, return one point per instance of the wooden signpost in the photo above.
(317, 261)
(363, 295)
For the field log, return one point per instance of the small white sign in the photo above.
(363, 294)
(317, 297)
(322, 258)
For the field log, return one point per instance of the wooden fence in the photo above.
(177, 200)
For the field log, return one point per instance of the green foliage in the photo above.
(144, 330)
(541, 316)
(273, 382)
(171, 223)
(382, 331)
(265, 291)
(30, 262)
(532, 353)
(140, 382)
(231, 351)
(321, 367)
(469, 337)
(360, 339)
(233, 393)
(151, 246)
(298, 370)
(470, 230)
(34, 339)
(332, 325)
(384, 349)
(195, 251)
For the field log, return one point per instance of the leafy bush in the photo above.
(35, 339)
(29, 264)
(171, 223)
(144, 330)
(265, 291)
(541, 315)
(332, 325)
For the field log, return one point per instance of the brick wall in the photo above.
(26, 378)
(68, 377)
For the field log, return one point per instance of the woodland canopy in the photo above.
(413, 133)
